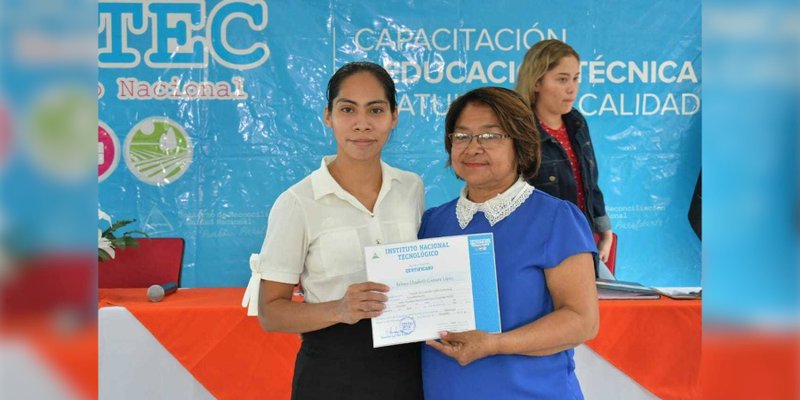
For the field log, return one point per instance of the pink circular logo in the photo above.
(107, 151)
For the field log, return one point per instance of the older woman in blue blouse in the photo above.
(543, 253)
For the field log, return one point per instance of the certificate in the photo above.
(439, 284)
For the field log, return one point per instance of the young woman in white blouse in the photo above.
(316, 233)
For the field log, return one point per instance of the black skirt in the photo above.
(339, 362)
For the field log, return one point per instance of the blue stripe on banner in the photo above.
(484, 282)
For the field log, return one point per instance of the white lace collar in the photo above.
(495, 209)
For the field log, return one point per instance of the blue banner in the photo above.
(210, 109)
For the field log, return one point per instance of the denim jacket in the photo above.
(555, 175)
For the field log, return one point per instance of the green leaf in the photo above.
(137, 232)
(120, 242)
(116, 225)
(121, 223)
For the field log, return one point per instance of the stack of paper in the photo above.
(680, 293)
(613, 289)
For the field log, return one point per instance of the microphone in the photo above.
(157, 292)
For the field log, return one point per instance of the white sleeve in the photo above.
(420, 198)
(283, 254)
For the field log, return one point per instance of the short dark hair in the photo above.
(515, 118)
(352, 68)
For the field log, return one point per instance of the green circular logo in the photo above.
(59, 131)
(158, 151)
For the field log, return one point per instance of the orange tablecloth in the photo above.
(750, 363)
(655, 342)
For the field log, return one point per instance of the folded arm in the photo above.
(575, 317)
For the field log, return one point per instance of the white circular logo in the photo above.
(158, 151)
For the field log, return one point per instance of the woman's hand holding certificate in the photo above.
(466, 347)
(362, 300)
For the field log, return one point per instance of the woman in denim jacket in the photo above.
(548, 81)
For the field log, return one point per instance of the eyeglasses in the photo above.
(487, 140)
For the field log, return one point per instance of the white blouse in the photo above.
(316, 233)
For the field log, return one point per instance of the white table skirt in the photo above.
(134, 365)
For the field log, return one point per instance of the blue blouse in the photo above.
(539, 234)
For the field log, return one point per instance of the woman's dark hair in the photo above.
(350, 69)
(515, 119)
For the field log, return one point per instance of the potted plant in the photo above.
(108, 241)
